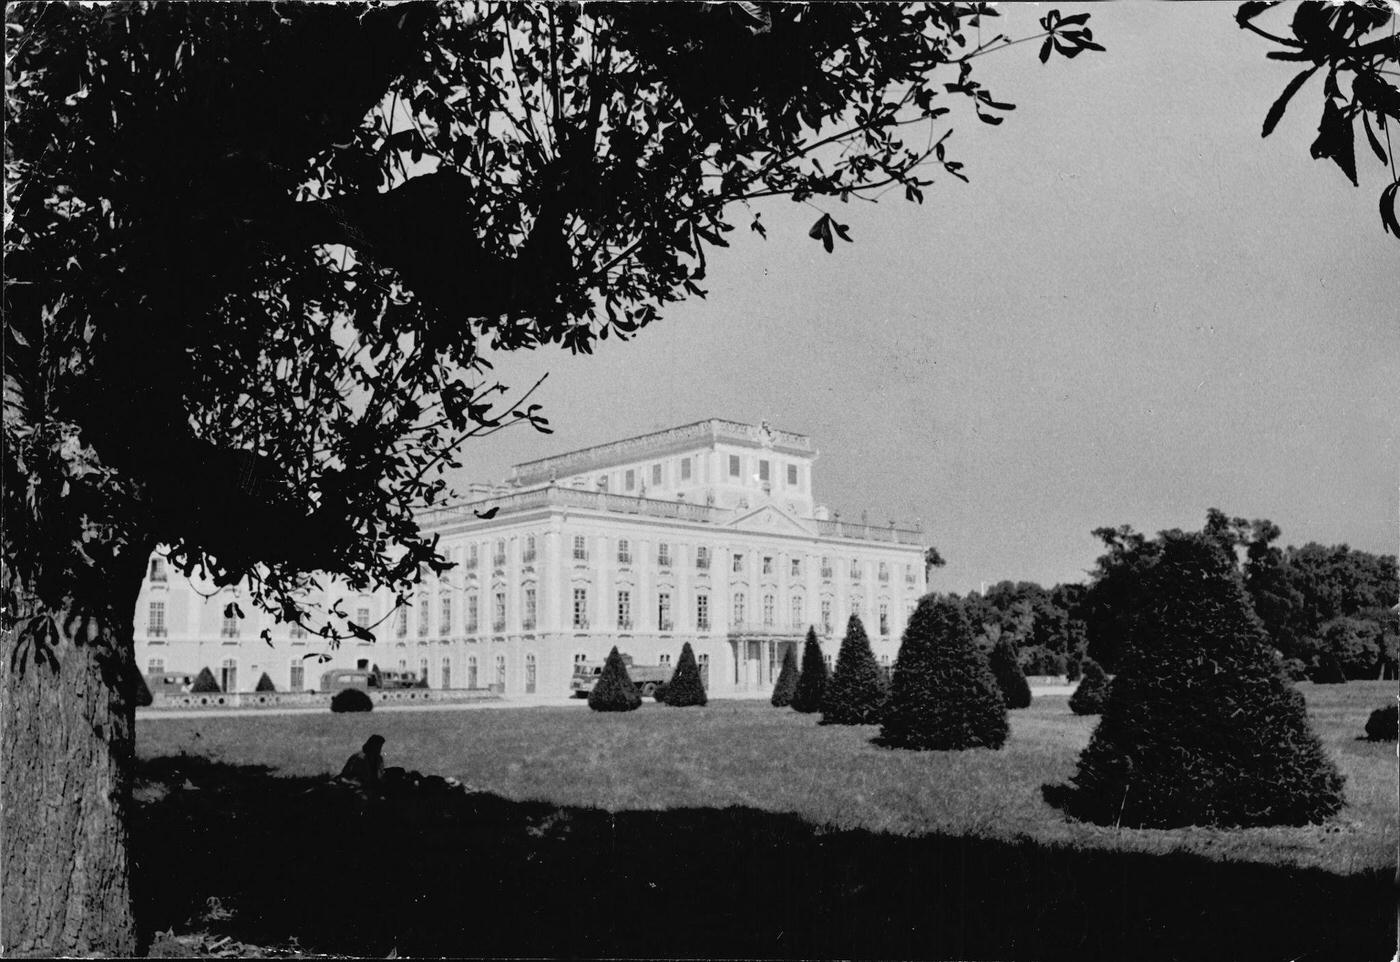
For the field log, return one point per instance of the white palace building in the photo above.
(706, 533)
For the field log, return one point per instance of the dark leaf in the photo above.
(1276, 111)
(1389, 219)
(1045, 49)
(488, 514)
(1373, 93)
(1372, 139)
(1335, 140)
(989, 118)
(1248, 11)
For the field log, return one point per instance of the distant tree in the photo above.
(1074, 667)
(1352, 645)
(786, 686)
(943, 695)
(1006, 669)
(1201, 726)
(1113, 602)
(685, 687)
(1351, 42)
(932, 559)
(1092, 693)
(204, 682)
(1381, 726)
(265, 684)
(811, 683)
(614, 690)
(856, 693)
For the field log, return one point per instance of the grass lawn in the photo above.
(747, 754)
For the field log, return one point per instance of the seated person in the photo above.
(366, 766)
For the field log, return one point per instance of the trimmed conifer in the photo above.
(1202, 726)
(204, 682)
(685, 687)
(856, 693)
(1383, 723)
(1092, 693)
(786, 685)
(265, 684)
(351, 700)
(143, 692)
(614, 690)
(1006, 669)
(811, 683)
(943, 695)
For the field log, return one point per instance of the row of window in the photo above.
(296, 681)
(664, 621)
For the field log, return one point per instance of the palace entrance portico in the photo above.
(758, 655)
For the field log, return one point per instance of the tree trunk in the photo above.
(67, 743)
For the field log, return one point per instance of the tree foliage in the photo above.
(1201, 726)
(204, 682)
(786, 686)
(856, 693)
(257, 255)
(1007, 671)
(615, 690)
(686, 687)
(811, 683)
(943, 695)
(1354, 49)
(351, 700)
(1381, 726)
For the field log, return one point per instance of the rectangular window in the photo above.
(666, 660)
(471, 556)
(624, 551)
(228, 675)
(498, 612)
(734, 465)
(629, 480)
(580, 607)
(762, 470)
(663, 555)
(624, 609)
(702, 557)
(156, 666)
(445, 613)
(685, 469)
(472, 617)
(739, 609)
(826, 567)
(498, 558)
(738, 562)
(702, 612)
(158, 576)
(796, 611)
(663, 611)
(155, 620)
(768, 564)
(796, 566)
(362, 616)
(856, 608)
(655, 475)
(884, 572)
(580, 548)
(423, 669)
(229, 628)
(703, 662)
(768, 611)
(529, 556)
(792, 475)
(855, 569)
(298, 679)
(826, 616)
(422, 615)
(529, 622)
(884, 618)
(400, 622)
(298, 633)
(908, 574)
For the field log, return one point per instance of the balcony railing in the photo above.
(624, 624)
(499, 625)
(472, 627)
(528, 624)
(667, 625)
(581, 624)
(156, 631)
(528, 558)
(826, 573)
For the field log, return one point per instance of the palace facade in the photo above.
(707, 533)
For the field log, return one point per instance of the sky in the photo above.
(1137, 310)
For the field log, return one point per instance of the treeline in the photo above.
(1328, 610)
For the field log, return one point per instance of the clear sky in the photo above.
(1137, 310)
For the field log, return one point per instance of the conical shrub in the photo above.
(786, 685)
(1092, 693)
(685, 687)
(943, 695)
(811, 683)
(856, 693)
(265, 684)
(1382, 725)
(614, 690)
(1201, 727)
(144, 698)
(204, 682)
(1006, 669)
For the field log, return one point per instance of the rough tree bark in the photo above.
(67, 742)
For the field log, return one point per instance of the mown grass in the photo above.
(750, 755)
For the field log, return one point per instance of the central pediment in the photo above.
(768, 517)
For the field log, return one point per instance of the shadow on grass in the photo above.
(444, 872)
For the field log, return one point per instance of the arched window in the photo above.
(739, 608)
(796, 611)
(501, 670)
(768, 611)
(529, 674)
(471, 671)
(447, 673)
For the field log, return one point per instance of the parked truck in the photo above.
(647, 678)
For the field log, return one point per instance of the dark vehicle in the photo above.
(647, 678)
